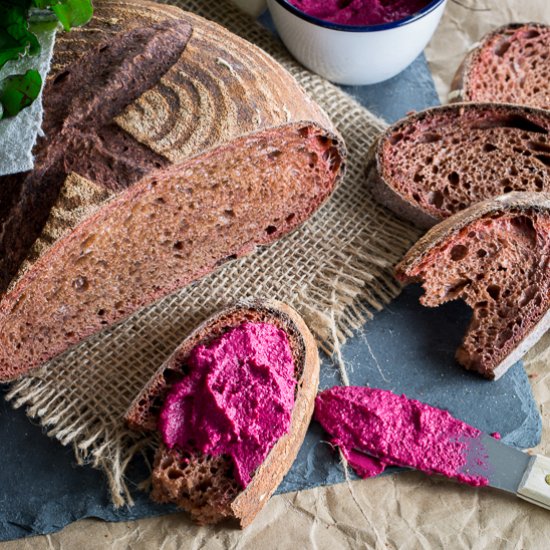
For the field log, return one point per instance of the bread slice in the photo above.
(495, 256)
(432, 164)
(205, 485)
(241, 158)
(174, 226)
(509, 65)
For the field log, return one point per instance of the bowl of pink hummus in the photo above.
(356, 42)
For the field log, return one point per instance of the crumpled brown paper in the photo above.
(404, 511)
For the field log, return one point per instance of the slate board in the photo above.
(405, 348)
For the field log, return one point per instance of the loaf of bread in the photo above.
(509, 65)
(495, 256)
(206, 486)
(206, 147)
(435, 163)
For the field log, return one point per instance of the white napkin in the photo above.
(18, 134)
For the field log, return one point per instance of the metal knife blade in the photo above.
(502, 465)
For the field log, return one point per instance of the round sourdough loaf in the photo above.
(207, 147)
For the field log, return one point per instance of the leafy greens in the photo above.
(17, 39)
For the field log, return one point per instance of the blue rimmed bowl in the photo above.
(348, 54)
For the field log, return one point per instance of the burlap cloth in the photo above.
(404, 511)
(335, 270)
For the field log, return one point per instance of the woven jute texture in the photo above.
(336, 270)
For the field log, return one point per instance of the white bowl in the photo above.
(351, 54)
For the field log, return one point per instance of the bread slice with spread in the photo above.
(206, 484)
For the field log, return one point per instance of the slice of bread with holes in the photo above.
(495, 256)
(509, 65)
(221, 397)
(435, 163)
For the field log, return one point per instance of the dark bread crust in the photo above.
(445, 234)
(410, 199)
(463, 83)
(170, 480)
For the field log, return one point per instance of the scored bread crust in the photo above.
(461, 84)
(515, 202)
(143, 412)
(251, 90)
(379, 181)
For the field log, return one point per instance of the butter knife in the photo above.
(527, 476)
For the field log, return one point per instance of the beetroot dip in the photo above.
(360, 12)
(237, 399)
(396, 431)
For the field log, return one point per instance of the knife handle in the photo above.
(535, 485)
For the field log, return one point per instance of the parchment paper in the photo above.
(406, 511)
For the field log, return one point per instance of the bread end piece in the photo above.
(463, 83)
(204, 486)
(442, 238)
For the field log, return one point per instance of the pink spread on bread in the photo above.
(237, 399)
(396, 431)
(360, 12)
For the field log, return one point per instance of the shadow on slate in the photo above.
(405, 348)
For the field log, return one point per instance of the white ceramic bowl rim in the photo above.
(357, 28)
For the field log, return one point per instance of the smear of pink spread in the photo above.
(396, 431)
(237, 399)
(360, 12)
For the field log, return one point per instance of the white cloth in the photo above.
(18, 134)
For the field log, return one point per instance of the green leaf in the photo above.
(19, 91)
(73, 13)
(15, 38)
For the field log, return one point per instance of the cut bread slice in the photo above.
(205, 485)
(510, 65)
(174, 226)
(437, 162)
(495, 256)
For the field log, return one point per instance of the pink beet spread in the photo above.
(395, 430)
(237, 399)
(360, 12)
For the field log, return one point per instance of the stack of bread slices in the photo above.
(477, 171)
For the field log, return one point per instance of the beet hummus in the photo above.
(360, 12)
(396, 431)
(237, 399)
